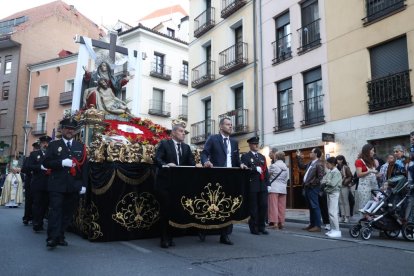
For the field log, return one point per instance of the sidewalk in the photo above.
(302, 216)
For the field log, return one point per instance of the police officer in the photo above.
(66, 158)
(39, 183)
(259, 180)
(28, 197)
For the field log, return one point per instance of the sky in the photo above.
(101, 12)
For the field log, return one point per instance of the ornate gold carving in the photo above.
(213, 205)
(137, 211)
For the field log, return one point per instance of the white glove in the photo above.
(43, 168)
(259, 170)
(82, 191)
(67, 163)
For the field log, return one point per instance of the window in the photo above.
(207, 117)
(208, 58)
(43, 90)
(238, 104)
(159, 63)
(313, 103)
(390, 84)
(377, 9)
(5, 90)
(41, 123)
(284, 111)
(8, 65)
(282, 45)
(184, 107)
(158, 99)
(238, 38)
(69, 85)
(185, 71)
(170, 32)
(3, 118)
(309, 33)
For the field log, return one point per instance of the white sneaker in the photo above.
(329, 232)
(327, 227)
(335, 234)
(346, 220)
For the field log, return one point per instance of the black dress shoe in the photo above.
(62, 242)
(202, 236)
(38, 228)
(26, 222)
(171, 243)
(264, 232)
(51, 243)
(254, 232)
(164, 244)
(225, 240)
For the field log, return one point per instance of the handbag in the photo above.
(276, 177)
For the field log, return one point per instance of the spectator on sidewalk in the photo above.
(332, 182)
(346, 174)
(12, 194)
(279, 177)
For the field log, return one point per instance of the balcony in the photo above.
(389, 92)
(379, 9)
(65, 97)
(284, 118)
(238, 119)
(203, 74)
(160, 71)
(309, 37)
(204, 22)
(41, 102)
(183, 112)
(233, 58)
(313, 111)
(183, 78)
(228, 7)
(201, 131)
(39, 129)
(159, 108)
(282, 49)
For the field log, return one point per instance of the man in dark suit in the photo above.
(39, 183)
(28, 197)
(170, 153)
(314, 172)
(66, 158)
(259, 180)
(222, 151)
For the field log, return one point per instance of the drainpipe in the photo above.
(255, 99)
(26, 139)
(261, 75)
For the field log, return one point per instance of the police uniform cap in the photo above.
(36, 144)
(253, 140)
(45, 138)
(69, 123)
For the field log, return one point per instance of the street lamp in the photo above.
(27, 128)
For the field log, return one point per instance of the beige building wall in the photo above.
(221, 93)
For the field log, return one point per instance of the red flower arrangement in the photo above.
(152, 133)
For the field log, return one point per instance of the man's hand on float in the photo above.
(208, 164)
(243, 166)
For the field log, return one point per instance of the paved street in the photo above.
(288, 252)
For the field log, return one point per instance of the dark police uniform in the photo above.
(63, 187)
(39, 185)
(257, 189)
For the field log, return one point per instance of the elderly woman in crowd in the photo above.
(346, 173)
(12, 193)
(279, 176)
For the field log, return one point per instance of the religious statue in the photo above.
(102, 88)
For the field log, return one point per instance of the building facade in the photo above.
(50, 95)
(223, 80)
(23, 41)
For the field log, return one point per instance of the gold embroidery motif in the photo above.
(213, 205)
(86, 220)
(137, 211)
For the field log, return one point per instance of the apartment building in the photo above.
(223, 80)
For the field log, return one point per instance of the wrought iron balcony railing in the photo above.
(39, 129)
(159, 108)
(203, 74)
(204, 22)
(238, 119)
(65, 97)
(284, 117)
(183, 78)
(160, 71)
(313, 111)
(228, 7)
(201, 131)
(389, 92)
(233, 58)
(282, 49)
(41, 102)
(377, 9)
(183, 112)
(309, 36)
